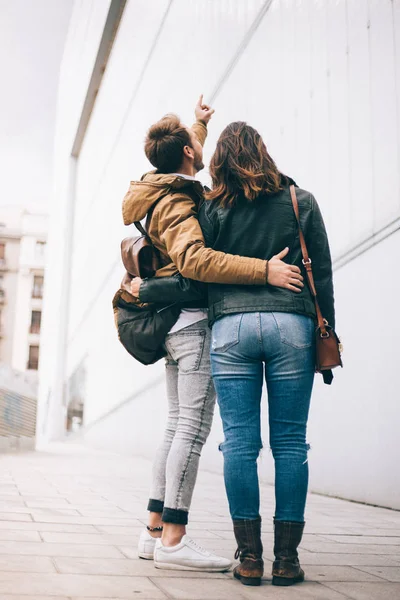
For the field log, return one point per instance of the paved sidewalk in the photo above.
(70, 519)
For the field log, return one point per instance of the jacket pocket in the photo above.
(295, 330)
(226, 332)
(186, 349)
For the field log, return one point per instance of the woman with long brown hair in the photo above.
(263, 332)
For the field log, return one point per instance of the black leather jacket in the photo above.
(260, 229)
(165, 291)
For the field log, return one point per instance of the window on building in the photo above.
(37, 291)
(1, 282)
(33, 361)
(40, 249)
(35, 321)
(2, 253)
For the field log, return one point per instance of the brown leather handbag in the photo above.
(141, 328)
(141, 258)
(328, 346)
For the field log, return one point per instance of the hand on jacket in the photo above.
(283, 275)
(135, 286)
(202, 111)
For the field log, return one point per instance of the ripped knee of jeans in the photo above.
(308, 448)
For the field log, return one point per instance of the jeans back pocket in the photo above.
(186, 348)
(295, 330)
(226, 332)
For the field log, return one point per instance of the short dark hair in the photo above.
(165, 142)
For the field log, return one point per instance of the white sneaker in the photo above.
(188, 556)
(146, 545)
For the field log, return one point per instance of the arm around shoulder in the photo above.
(181, 233)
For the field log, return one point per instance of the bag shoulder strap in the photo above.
(307, 262)
(140, 227)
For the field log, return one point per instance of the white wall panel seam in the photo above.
(364, 245)
(396, 85)
(348, 113)
(371, 114)
(242, 47)
(95, 295)
(155, 382)
(129, 107)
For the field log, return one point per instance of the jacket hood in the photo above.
(144, 194)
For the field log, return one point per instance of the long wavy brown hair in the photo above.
(241, 166)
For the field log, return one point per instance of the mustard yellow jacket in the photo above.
(175, 231)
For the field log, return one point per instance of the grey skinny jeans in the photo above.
(191, 402)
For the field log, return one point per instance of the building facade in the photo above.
(22, 259)
(321, 81)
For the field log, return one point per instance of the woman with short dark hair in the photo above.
(263, 332)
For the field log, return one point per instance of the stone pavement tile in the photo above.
(337, 573)
(98, 566)
(304, 591)
(52, 511)
(33, 526)
(27, 564)
(333, 547)
(52, 493)
(120, 530)
(46, 502)
(19, 535)
(373, 532)
(91, 500)
(364, 539)
(367, 591)
(13, 597)
(82, 538)
(9, 489)
(11, 501)
(78, 520)
(340, 559)
(196, 589)
(15, 517)
(107, 512)
(79, 585)
(200, 589)
(389, 573)
(43, 549)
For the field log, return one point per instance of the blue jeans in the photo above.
(243, 346)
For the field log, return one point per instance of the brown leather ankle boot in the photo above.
(286, 569)
(250, 549)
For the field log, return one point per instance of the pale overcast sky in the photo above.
(32, 36)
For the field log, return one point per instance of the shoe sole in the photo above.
(174, 567)
(285, 581)
(253, 581)
(146, 556)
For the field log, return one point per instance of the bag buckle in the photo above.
(325, 335)
(306, 262)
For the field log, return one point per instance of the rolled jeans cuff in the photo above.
(156, 506)
(174, 515)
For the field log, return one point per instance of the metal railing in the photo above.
(17, 421)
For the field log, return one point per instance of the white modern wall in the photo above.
(321, 82)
